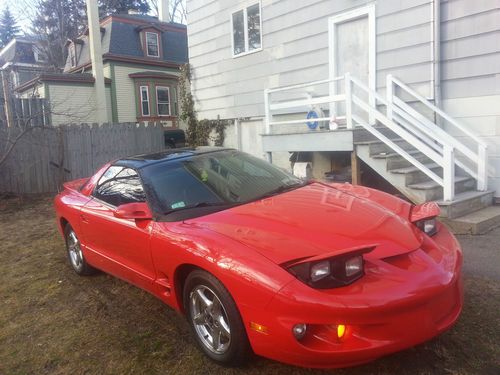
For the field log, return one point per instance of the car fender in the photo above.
(251, 279)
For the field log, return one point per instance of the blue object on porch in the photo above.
(312, 124)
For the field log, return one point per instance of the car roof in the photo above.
(140, 161)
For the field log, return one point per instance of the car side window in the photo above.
(119, 185)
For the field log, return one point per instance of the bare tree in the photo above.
(177, 10)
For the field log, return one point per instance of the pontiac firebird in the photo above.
(307, 273)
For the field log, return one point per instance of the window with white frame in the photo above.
(144, 96)
(152, 45)
(163, 100)
(246, 24)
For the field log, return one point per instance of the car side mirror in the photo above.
(136, 211)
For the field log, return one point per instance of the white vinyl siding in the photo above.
(295, 41)
(144, 100)
(66, 103)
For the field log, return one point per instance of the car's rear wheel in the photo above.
(75, 253)
(215, 319)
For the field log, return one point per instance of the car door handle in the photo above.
(84, 219)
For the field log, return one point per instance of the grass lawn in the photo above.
(55, 322)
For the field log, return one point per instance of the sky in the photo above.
(22, 10)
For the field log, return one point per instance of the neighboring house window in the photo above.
(145, 100)
(246, 25)
(40, 56)
(163, 100)
(152, 45)
(72, 55)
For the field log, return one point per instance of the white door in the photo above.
(352, 51)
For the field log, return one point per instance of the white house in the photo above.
(244, 54)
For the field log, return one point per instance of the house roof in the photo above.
(59, 77)
(20, 50)
(122, 39)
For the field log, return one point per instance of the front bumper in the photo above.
(399, 303)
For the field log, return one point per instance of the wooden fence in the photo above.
(43, 158)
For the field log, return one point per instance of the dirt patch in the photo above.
(55, 322)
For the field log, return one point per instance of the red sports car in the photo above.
(307, 273)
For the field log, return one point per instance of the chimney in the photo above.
(163, 15)
(96, 58)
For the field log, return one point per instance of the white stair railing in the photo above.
(478, 157)
(402, 119)
(443, 154)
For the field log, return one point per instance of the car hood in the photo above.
(312, 221)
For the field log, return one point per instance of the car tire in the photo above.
(215, 320)
(75, 253)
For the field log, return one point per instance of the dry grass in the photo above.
(55, 322)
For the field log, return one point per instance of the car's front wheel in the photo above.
(75, 254)
(215, 319)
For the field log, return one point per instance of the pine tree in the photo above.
(8, 27)
(107, 7)
(57, 21)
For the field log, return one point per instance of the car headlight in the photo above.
(333, 272)
(428, 226)
(424, 217)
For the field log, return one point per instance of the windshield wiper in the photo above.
(196, 205)
(282, 188)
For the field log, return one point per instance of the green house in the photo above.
(141, 56)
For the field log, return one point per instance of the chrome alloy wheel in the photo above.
(75, 251)
(210, 319)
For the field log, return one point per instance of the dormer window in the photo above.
(72, 54)
(152, 44)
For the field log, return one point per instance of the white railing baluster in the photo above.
(268, 112)
(448, 173)
(389, 86)
(482, 168)
(348, 100)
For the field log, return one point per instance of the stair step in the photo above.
(465, 203)
(431, 184)
(360, 135)
(395, 161)
(431, 190)
(389, 155)
(478, 222)
(378, 147)
(412, 168)
(414, 175)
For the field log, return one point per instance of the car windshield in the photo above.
(215, 180)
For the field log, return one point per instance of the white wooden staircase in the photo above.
(425, 161)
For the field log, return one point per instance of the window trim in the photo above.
(245, 30)
(141, 100)
(157, 36)
(158, 103)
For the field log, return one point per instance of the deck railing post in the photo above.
(348, 100)
(448, 173)
(482, 168)
(390, 95)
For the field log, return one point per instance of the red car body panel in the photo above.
(411, 290)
